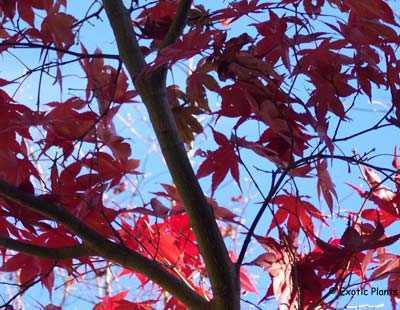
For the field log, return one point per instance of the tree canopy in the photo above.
(200, 153)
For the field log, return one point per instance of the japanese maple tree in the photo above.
(265, 97)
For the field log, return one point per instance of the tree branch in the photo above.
(125, 37)
(87, 17)
(152, 89)
(57, 49)
(179, 23)
(103, 247)
(46, 252)
(260, 213)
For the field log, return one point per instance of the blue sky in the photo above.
(144, 147)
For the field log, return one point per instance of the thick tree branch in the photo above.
(128, 46)
(152, 88)
(46, 252)
(179, 23)
(104, 247)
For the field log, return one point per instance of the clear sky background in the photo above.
(132, 123)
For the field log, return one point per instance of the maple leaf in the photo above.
(118, 302)
(31, 268)
(105, 82)
(297, 212)
(190, 45)
(220, 162)
(159, 210)
(155, 21)
(385, 218)
(25, 10)
(389, 266)
(222, 213)
(287, 83)
(110, 168)
(52, 307)
(277, 262)
(325, 184)
(57, 28)
(184, 115)
(197, 83)
(162, 241)
(311, 8)
(382, 196)
(396, 165)
(172, 195)
(340, 254)
(246, 282)
(233, 103)
(238, 9)
(275, 44)
(370, 8)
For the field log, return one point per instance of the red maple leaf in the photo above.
(220, 162)
(297, 212)
(57, 28)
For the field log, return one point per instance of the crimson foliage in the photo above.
(288, 76)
